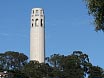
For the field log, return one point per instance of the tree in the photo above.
(55, 63)
(2, 61)
(96, 72)
(75, 65)
(13, 62)
(55, 60)
(96, 9)
(34, 69)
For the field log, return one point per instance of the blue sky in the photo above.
(68, 28)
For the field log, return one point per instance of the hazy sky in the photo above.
(68, 28)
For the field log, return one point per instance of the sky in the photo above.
(68, 28)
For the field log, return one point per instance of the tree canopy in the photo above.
(96, 9)
(75, 65)
(11, 60)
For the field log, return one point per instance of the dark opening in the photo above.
(33, 11)
(41, 22)
(32, 24)
(32, 19)
(36, 22)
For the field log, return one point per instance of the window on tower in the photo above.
(36, 22)
(41, 12)
(33, 11)
(41, 22)
(32, 19)
(32, 24)
(37, 13)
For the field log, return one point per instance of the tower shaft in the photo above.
(37, 35)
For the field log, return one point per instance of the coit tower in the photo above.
(37, 35)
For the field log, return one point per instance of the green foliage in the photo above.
(35, 69)
(96, 72)
(76, 65)
(13, 62)
(55, 60)
(69, 66)
(96, 9)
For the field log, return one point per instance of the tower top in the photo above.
(37, 9)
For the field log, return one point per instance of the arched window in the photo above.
(36, 11)
(36, 22)
(33, 11)
(32, 24)
(32, 19)
(41, 22)
(41, 12)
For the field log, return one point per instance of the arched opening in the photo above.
(36, 22)
(32, 19)
(33, 11)
(41, 12)
(32, 25)
(41, 22)
(36, 11)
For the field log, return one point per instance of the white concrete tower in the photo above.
(37, 35)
